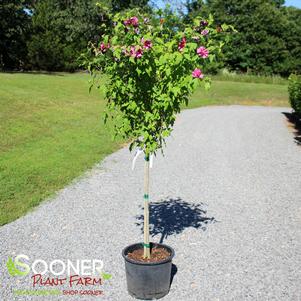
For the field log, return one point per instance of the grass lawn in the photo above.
(51, 130)
(241, 93)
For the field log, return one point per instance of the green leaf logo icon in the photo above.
(106, 276)
(12, 270)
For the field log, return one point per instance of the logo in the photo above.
(12, 266)
(67, 276)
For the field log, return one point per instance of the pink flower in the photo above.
(127, 22)
(133, 51)
(182, 44)
(147, 44)
(134, 21)
(131, 21)
(103, 47)
(136, 53)
(204, 32)
(202, 52)
(139, 53)
(197, 73)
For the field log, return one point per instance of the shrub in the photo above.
(294, 89)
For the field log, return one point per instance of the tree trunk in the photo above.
(146, 244)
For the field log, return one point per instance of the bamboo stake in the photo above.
(146, 253)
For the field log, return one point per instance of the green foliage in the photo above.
(294, 89)
(61, 31)
(150, 67)
(120, 5)
(292, 37)
(15, 26)
(268, 35)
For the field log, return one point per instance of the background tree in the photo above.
(119, 5)
(51, 34)
(193, 8)
(61, 31)
(266, 34)
(292, 37)
(15, 25)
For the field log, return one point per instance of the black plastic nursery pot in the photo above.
(148, 280)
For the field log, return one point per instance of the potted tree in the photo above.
(151, 70)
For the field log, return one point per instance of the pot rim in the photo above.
(168, 259)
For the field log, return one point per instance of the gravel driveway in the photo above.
(230, 184)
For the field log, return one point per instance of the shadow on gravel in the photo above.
(173, 215)
(174, 271)
(295, 120)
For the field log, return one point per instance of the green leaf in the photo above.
(138, 71)
(106, 276)
(12, 270)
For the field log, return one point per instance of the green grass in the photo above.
(241, 93)
(51, 131)
(248, 78)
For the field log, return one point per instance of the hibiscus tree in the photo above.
(151, 71)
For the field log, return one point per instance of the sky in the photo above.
(296, 3)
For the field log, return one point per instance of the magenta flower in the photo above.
(197, 73)
(127, 22)
(147, 44)
(182, 44)
(204, 23)
(204, 32)
(134, 21)
(103, 47)
(131, 21)
(202, 52)
(139, 53)
(133, 51)
(136, 53)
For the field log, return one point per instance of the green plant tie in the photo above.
(146, 245)
(146, 158)
(146, 196)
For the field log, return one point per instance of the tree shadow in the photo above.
(295, 120)
(173, 215)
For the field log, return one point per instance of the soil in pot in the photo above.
(157, 254)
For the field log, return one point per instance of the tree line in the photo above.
(51, 34)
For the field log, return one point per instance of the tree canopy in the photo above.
(51, 34)
(15, 24)
(265, 33)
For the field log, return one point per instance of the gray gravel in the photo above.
(239, 164)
